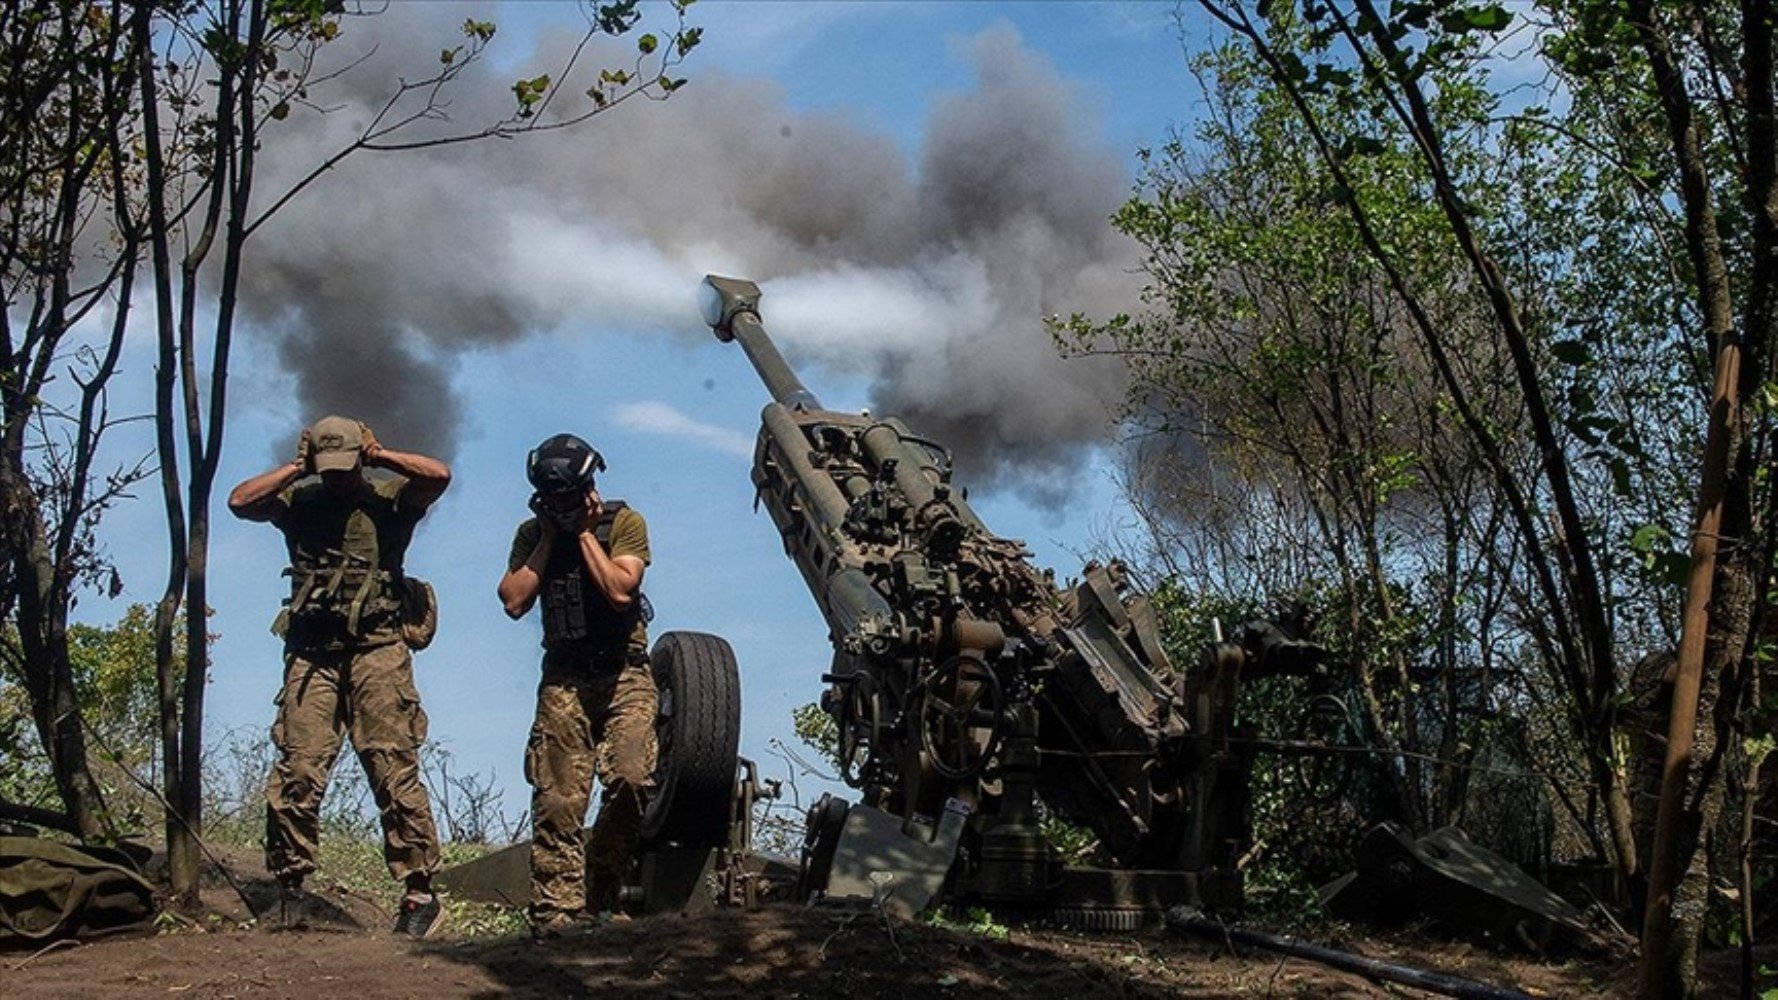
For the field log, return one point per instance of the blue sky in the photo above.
(673, 411)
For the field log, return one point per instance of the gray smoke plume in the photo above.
(929, 279)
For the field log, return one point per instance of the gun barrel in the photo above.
(731, 307)
(825, 502)
(773, 370)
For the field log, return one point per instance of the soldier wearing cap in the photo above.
(347, 668)
(582, 558)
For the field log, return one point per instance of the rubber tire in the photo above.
(699, 733)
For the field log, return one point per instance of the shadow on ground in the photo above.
(777, 951)
(781, 951)
(235, 888)
(790, 951)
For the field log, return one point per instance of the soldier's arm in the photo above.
(519, 587)
(257, 499)
(427, 477)
(619, 576)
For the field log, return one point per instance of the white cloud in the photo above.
(655, 417)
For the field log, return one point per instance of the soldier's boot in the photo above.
(605, 888)
(611, 846)
(422, 913)
(292, 913)
(421, 916)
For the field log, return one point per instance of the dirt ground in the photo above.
(778, 951)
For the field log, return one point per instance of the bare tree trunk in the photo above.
(43, 643)
(182, 853)
(1744, 874)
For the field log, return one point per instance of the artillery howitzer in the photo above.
(966, 682)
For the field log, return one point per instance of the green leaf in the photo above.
(1467, 19)
(1572, 352)
(1364, 145)
(529, 92)
(1765, 398)
(1415, 15)
(1294, 70)
(1491, 18)
(617, 17)
(647, 44)
(1647, 537)
(1672, 568)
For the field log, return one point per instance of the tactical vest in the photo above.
(346, 581)
(576, 616)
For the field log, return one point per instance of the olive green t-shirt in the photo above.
(629, 537)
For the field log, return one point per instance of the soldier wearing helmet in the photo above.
(347, 669)
(582, 558)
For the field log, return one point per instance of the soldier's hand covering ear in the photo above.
(368, 446)
(565, 512)
(305, 452)
(548, 518)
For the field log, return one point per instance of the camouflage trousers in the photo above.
(598, 723)
(369, 694)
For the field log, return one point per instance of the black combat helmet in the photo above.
(563, 463)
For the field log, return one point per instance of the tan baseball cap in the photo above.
(336, 443)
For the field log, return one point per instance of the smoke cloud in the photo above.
(930, 278)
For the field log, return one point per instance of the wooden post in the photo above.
(1663, 875)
